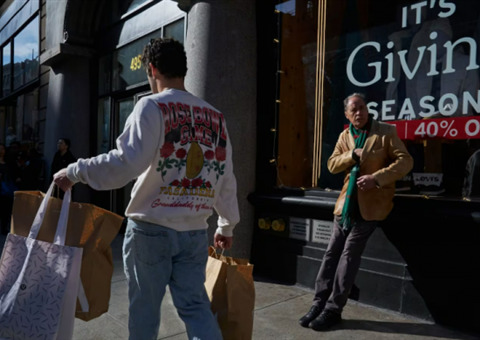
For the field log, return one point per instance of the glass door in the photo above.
(112, 115)
(122, 109)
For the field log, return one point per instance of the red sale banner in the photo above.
(449, 128)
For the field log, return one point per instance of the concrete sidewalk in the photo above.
(277, 310)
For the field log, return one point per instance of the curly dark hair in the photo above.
(167, 55)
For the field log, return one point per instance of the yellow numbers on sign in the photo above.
(136, 63)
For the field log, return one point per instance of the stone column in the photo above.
(68, 104)
(221, 52)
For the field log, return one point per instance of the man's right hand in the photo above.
(358, 152)
(61, 179)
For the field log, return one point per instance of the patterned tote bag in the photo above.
(39, 281)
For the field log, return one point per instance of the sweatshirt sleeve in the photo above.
(135, 150)
(226, 203)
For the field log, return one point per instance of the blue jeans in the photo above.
(154, 257)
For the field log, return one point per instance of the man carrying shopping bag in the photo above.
(39, 281)
(178, 148)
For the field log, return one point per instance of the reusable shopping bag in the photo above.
(230, 287)
(39, 281)
(89, 227)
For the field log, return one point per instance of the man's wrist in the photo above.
(355, 156)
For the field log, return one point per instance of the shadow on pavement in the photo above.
(405, 328)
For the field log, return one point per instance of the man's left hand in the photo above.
(61, 179)
(366, 182)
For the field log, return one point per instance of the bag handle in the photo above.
(61, 231)
(213, 252)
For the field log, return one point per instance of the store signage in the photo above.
(434, 52)
(451, 128)
(321, 231)
(299, 228)
(427, 179)
(127, 61)
(136, 63)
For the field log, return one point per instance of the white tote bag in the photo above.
(39, 281)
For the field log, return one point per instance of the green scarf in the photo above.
(360, 136)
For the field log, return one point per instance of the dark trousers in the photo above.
(340, 265)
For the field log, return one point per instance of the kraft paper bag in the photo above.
(89, 227)
(39, 282)
(230, 287)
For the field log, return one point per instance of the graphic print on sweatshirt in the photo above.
(192, 157)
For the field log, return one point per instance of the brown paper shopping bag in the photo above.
(230, 287)
(89, 227)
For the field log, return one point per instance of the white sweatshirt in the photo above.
(183, 166)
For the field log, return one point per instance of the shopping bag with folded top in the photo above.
(89, 227)
(39, 280)
(230, 287)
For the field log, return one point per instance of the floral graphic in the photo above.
(220, 156)
(185, 183)
(209, 155)
(167, 149)
(220, 153)
(191, 184)
(181, 153)
(168, 163)
(171, 158)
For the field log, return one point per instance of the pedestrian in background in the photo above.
(174, 193)
(62, 158)
(373, 158)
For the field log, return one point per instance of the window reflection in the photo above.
(419, 67)
(25, 55)
(126, 61)
(175, 30)
(7, 69)
(125, 107)
(103, 123)
(287, 7)
(136, 4)
(297, 53)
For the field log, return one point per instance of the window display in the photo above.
(418, 64)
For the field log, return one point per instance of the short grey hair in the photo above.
(355, 94)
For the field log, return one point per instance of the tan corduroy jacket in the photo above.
(384, 156)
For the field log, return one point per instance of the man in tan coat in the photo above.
(373, 158)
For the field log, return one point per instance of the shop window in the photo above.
(6, 69)
(103, 126)
(126, 61)
(8, 121)
(105, 74)
(175, 30)
(296, 80)
(416, 62)
(20, 120)
(25, 55)
(135, 4)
